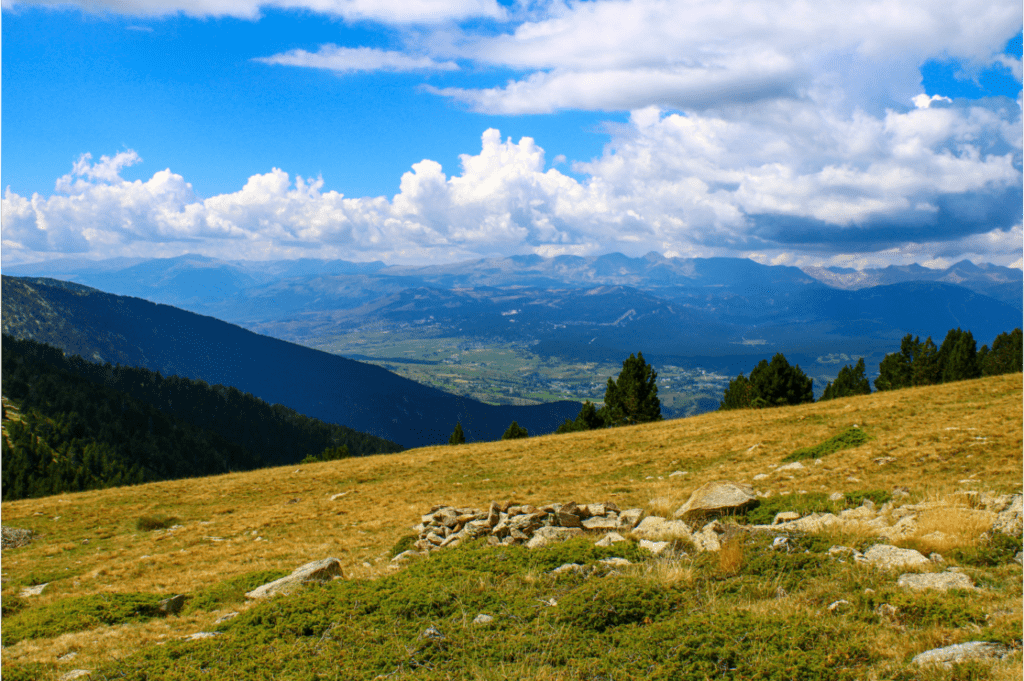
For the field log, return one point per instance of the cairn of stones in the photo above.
(505, 523)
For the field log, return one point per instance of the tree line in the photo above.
(917, 363)
(633, 397)
(88, 426)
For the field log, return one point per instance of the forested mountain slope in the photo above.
(107, 328)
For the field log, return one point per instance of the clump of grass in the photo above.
(78, 613)
(148, 523)
(848, 439)
(996, 549)
(402, 545)
(601, 604)
(730, 557)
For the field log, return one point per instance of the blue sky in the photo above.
(772, 131)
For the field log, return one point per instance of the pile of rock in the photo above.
(506, 523)
(15, 537)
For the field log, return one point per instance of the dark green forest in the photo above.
(88, 426)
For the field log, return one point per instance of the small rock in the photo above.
(942, 581)
(75, 674)
(610, 538)
(629, 518)
(432, 633)
(36, 590)
(936, 557)
(760, 476)
(67, 657)
(655, 547)
(674, 474)
(795, 466)
(547, 535)
(200, 635)
(225, 617)
(172, 605)
(888, 612)
(567, 568)
(781, 544)
(836, 496)
(615, 562)
(483, 619)
(785, 516)
(335, 497)
(837, 606)
(655, 527)
(961, 652)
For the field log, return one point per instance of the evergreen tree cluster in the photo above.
(957, 359)
(87, 426)
(630, 399)
(777, 383)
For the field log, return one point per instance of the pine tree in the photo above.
(958, 357)
(738, 395)
(514, 432)
(457, 438)
(1005, 357)
(589, 418)
(633, 398)
(850, 381)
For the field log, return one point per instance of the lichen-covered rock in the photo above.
(942, 581)
(716, 498)
(656, 527)
(547, 535)
(609, 539)
(1011, 520)
(629, 518)
(962, 652)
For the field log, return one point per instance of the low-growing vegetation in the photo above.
(848, 439)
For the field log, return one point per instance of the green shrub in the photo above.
(848, 439)
(12, 604)
(230, 590)
(148, 523)
(955, 608)
(79, 613)
(877, 496)
(997, 549)
(611, 602)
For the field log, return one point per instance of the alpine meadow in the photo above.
(541, 340)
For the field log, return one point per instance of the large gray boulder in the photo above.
(891, 557)
(317, 571)
(717, 498)
(962, 652)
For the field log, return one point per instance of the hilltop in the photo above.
(955, 446)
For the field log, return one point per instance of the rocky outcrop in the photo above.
(1009, 521)
(716, 498)
(505, 524)
(317, 571)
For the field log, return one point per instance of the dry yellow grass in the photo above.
(940, 440)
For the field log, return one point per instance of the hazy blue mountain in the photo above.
(131, 331)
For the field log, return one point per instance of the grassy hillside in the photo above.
(759, 605)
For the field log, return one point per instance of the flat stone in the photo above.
(890, 557)
(225, 617)
(482, 619)
(836, 496)
(795, 466)
(615, 562)
(567, 568)
(961, 652)
(655, 547)
(601, 523)
(785, 516)
(942, 581)
(610, 538)
(200, 635)
(36, 590)
(655, 527)
(547, 535)
(814, 522)
(75, 674)
(715, 498)
(317, 571)
(629, 518)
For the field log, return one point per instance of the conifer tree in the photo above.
(633, 397)
(457, 438)
(1005, 357)
(514, 432)
(771, 384)
(958, 357)
(850, 381)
